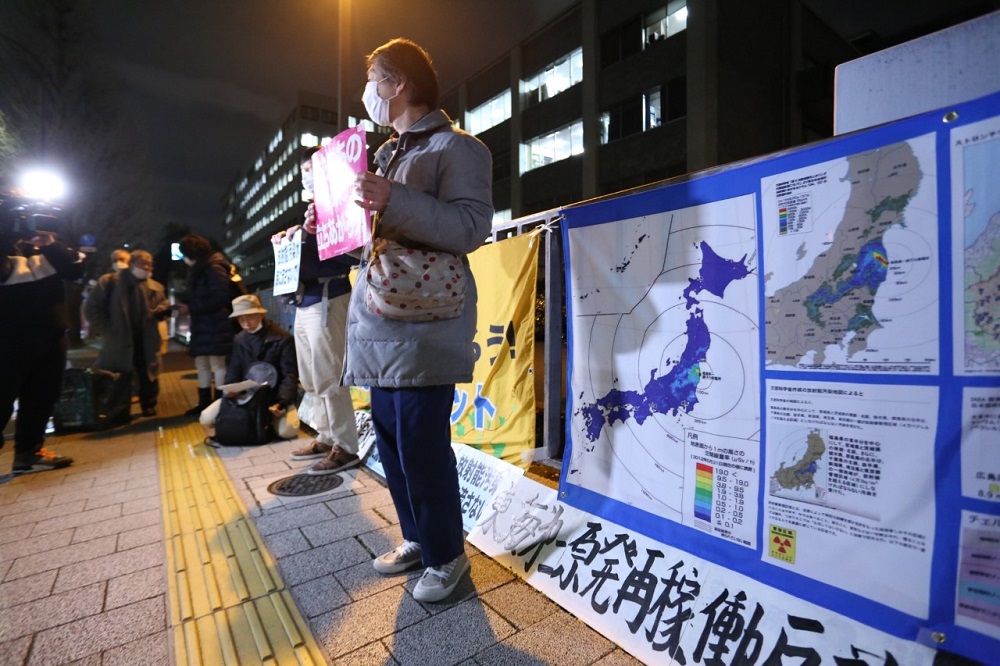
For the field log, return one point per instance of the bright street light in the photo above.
(43, 185)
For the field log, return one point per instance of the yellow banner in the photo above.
(496, 412)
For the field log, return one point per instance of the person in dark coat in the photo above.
(209, 306)
(32, 338)
(262, 340)
(125, 308)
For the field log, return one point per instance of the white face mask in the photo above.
(121, 265)
(140, 273)
(254, 330)
(189, 261)
(307, 181)
(377, 108)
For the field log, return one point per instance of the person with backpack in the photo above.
(125, 308)
(265, 352)
(209, 304)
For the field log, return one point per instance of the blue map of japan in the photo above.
(675, 391)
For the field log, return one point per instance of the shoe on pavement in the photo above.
(335, 461)
(404, 557)
(438, 583)
(42, 461)
(315, 449)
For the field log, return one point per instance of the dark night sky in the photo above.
(207, 82)
(204, 83)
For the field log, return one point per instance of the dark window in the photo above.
(622, 42)
(632, 116)
(310, 113)
(676, 98)
(501, 166)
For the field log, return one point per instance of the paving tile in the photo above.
(41, 515)
(141, 537)
(389, 513)
(93, 635)
(319, 596)
(27, 589)
(101, 490)
(109, 566)
(16, 533)
(286, 520)
(362, 580)
(618, 658)
(373, 654)
(520, 604)
(15, 651)
(141, 505)
(310, 564)
(90, 660)
(117, 525)
(285, 543)
(152, 649)
(52, 611)
(136, 586)
(4, 568)
(350, 627)
(450, 637)
(559, 640)
(77, 519)
(60, 557)
(271, 471)
(123, 496)
(343, 527)
(35, 544)
(381, 540)
(357, 503)
(49, 484)
(24, 506)
(144, 481)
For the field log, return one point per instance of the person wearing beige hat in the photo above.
(262, 340)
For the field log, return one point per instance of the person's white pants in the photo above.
(320, 351)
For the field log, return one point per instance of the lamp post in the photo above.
(343, 59)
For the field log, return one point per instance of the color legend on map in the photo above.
(703, 492)
(721, 486)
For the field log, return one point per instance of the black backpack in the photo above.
(246, 424)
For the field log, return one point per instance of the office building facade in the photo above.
(610, 96)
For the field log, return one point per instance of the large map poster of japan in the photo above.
(665, 364)
(851, 263)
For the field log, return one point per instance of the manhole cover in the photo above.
(302, 485)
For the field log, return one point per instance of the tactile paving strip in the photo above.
(228, 604)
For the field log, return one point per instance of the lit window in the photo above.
(308, 140)
(665, 22)
(557, 77)
(552, 147)
(489, 114)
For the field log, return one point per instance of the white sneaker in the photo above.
(438, 583)
(404, 557)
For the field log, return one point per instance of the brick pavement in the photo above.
(84, 575)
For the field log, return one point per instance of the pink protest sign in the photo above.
(341, 225)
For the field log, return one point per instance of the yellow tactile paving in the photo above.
(228, 604)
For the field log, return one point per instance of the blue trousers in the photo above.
(413, 435)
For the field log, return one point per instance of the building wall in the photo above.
(742, 80)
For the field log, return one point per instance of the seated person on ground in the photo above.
(262, 340)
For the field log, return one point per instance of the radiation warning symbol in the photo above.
(782, 544)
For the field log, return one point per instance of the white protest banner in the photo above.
(479, 476)
(341, 225)
(663, 604)
(287, 258)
